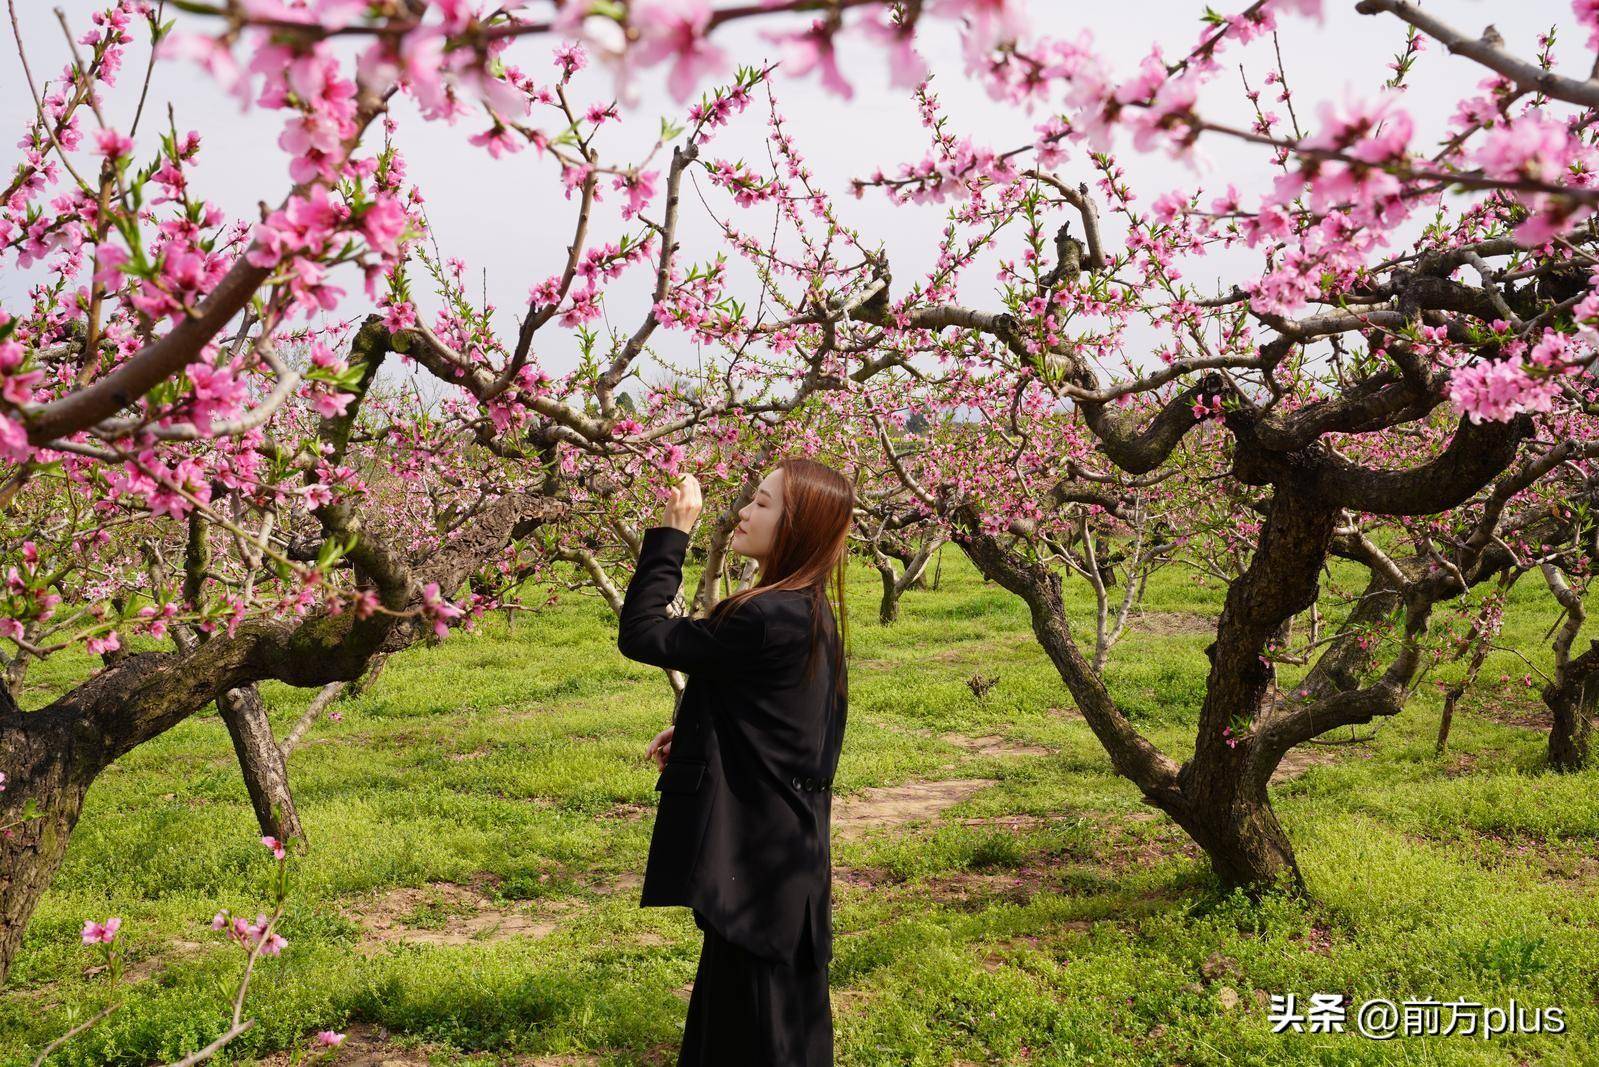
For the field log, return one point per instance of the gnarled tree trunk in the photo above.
(48, 763)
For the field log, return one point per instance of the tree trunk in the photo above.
(888, 610)
(266, 774)
(1570, 738)
(45, 764)
(1230, 816)
(908, 560)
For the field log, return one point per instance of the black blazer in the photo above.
(743, 830)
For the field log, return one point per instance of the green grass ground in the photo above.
(481, 815)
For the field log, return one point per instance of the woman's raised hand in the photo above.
(684, 505)
(661, 747)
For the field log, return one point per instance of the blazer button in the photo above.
(796, 781)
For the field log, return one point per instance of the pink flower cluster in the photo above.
(1538, 148)
(1498, 390)
(250, 934)
(1374, 133)
(963, 167)
(438, 610)
(747, 187)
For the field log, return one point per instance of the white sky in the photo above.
(507, 216)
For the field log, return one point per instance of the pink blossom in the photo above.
(329, 1038)
(101, 933)
(382, 223)
(1531, 146)
(214, 56)
(13, 440)
(640, 189)
(1311, 8)
(337, 14)
(906, 67)
(570, 57)
(676, 30)
(1587, 12)
(1500, 390)
(435, 607)
(275, 847)
(989, 22)
(216, 393)
(331, 404)
(812, 49)
(111, 144)
(107, 643)
(399, 315)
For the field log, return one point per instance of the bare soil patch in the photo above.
(1302, 758)
(1512, 707)
(624, 883)
(1142, 838)
(443, 913)
(994, 745)
(629, 812)
(984, 888)
(140, 969)
(896, 805)
(1171, 623)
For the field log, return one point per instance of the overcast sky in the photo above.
(507, 218)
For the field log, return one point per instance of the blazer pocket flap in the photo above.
(681, 776)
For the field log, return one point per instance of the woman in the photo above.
(742, 831)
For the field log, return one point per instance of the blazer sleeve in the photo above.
(695, 646)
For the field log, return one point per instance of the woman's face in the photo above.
(757, 520)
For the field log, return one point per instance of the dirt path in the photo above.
(897, 805)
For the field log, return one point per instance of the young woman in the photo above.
(742, 830)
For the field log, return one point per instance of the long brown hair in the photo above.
(811, 543)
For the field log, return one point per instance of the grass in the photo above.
(511, 761)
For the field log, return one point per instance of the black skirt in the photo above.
(746, 1011)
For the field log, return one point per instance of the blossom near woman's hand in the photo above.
(684, 505)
